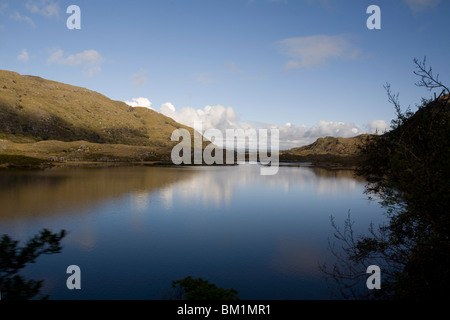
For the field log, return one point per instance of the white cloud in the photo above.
(295, 136)
(89, 60)
(291, 135)
(46, 8)
(316, 50)
(139, 78)
(75, 60)
(18, 17)
(140, 102)
(56, 57)
(377, 126)
(212, 117)
(421, 5)
(167, 108)
(23, 56)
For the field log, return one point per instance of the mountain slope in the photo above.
(37, 109)
(328, 151)
(346, 151)
(52, 121)
(331, 145)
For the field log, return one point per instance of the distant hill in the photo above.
(344, 152)
(328, 151)
(332, 145)
(50, 120)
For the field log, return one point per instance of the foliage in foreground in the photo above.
(408, 171)
(199, 289)
(13, 258)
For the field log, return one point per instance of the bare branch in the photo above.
(393, 98)
(427, 79)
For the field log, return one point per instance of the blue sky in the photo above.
(308, 67)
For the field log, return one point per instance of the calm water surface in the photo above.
(133, 230)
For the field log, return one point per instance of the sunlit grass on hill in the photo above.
(39, 109)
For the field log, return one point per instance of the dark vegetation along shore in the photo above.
(408, 172)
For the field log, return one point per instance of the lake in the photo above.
(132, 230)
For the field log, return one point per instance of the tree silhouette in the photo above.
(199, 289)
(14, 258)
(408, 171)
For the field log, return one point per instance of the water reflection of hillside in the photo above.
(338, 174)
(27, 194)
(216, 186)
(134, 223)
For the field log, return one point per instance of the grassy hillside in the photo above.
(331, 145)
(328, 151)
(35, 109)
(43, 120)
(80, 151)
